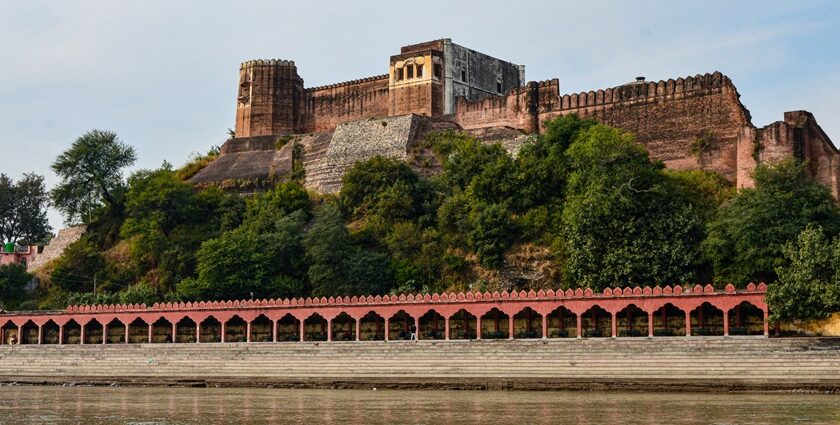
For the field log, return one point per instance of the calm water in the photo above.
(79, 405)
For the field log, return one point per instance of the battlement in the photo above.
(348, 83)
(267, 62)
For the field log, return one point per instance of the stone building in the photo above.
(696, 122)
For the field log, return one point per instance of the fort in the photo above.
(696, 122)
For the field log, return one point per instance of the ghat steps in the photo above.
(695, 363)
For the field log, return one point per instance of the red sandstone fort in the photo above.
(696, 122)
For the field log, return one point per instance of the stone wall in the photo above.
(324, 108)
(56, 246)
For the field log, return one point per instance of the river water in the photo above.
(146, 406)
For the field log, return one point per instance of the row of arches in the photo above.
(596, 322)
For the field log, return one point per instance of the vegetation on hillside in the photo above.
(582, 203)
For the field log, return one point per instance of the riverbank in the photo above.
(697, 364)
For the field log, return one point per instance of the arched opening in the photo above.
(315, 328)
(29, 333)
(262, 329)
(495, 324)
(235, 329)
(706, 320)
(210, 330)
(185, 331)
(10, 333)
(93, 332)
(562, 323)
(746, 319)
(343, 328)
(162, 331)
(372, 327)
(668, 320)
(596, 323)
(399, 326)
(632, 321)
(138, 331)
(49, 333)
(527, 324)
(462, 325)
(288, 328)
(72, 333)
(116, 332)
(432, 326)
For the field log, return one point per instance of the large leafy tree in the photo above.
(808, 286)
(91, 174)
(13, 281)
(746, 237)
(624, 221)
(23, 209)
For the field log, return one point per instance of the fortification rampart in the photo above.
(325, 107)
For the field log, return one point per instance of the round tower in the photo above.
(269, 98)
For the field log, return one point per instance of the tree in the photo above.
(23, 209)
(385, 187)
(91, 174)
(746, 237)
(13, 281)
(808, 286)
(243, 262)
(327, 250)
(624, 222)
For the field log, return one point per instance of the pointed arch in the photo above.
(235, 329)
(93, 332)
(343, 328)
(706, 320)
(161, 331)
(495, 324)
(50, 332)
(262, 329)
(632, 321)
(72, 333)
(29, 333)
(372, 327)
(562, 323)
(185, 330)
(399, 325)
(432, 326)
(210, 330)
(315, 328)
(746, 319)
(462, 325)
(288, 328)
(115, 332)
(596, 322)
(669, 320)
(138, 331)
(527, 323)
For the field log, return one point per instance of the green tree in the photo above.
(91, 174)
(23, 209)
(13, 281)
(624, 222)
(746, 237)
(386, 188)
(808, 286)
(327, 249)
(491, 234)
(243, 262)
(74, 271)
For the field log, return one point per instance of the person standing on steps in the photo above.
(413, 336)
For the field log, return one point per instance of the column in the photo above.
(20, 335)
(766, 323)
(650, 325)
(725, 322)
(82, 335)
(614, 325)
(60, 334)
(358, 328)
(127, 327)
(446, 328)
(301, 330)
(688, 323)
(329, 330)
(417, 328)
(274, 331)
(510, 327)
(478, 326)
(174, 332)
(545, 326)
(40, 334)
(197, 332)
(387, 328)
(151, 332)
(104, 333)
(223, 331)
(247, 331)
(579, 325)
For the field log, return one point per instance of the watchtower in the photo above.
(269, 98)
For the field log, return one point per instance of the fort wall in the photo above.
(324, 108)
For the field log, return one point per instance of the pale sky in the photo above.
(163, 74)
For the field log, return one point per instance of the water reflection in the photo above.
(80, 405)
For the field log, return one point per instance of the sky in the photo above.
(163, 74)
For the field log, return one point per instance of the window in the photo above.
(399, 74)
(437, 70)
(498, 87)
(419, 71)
(463, 75)
(410, 71)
